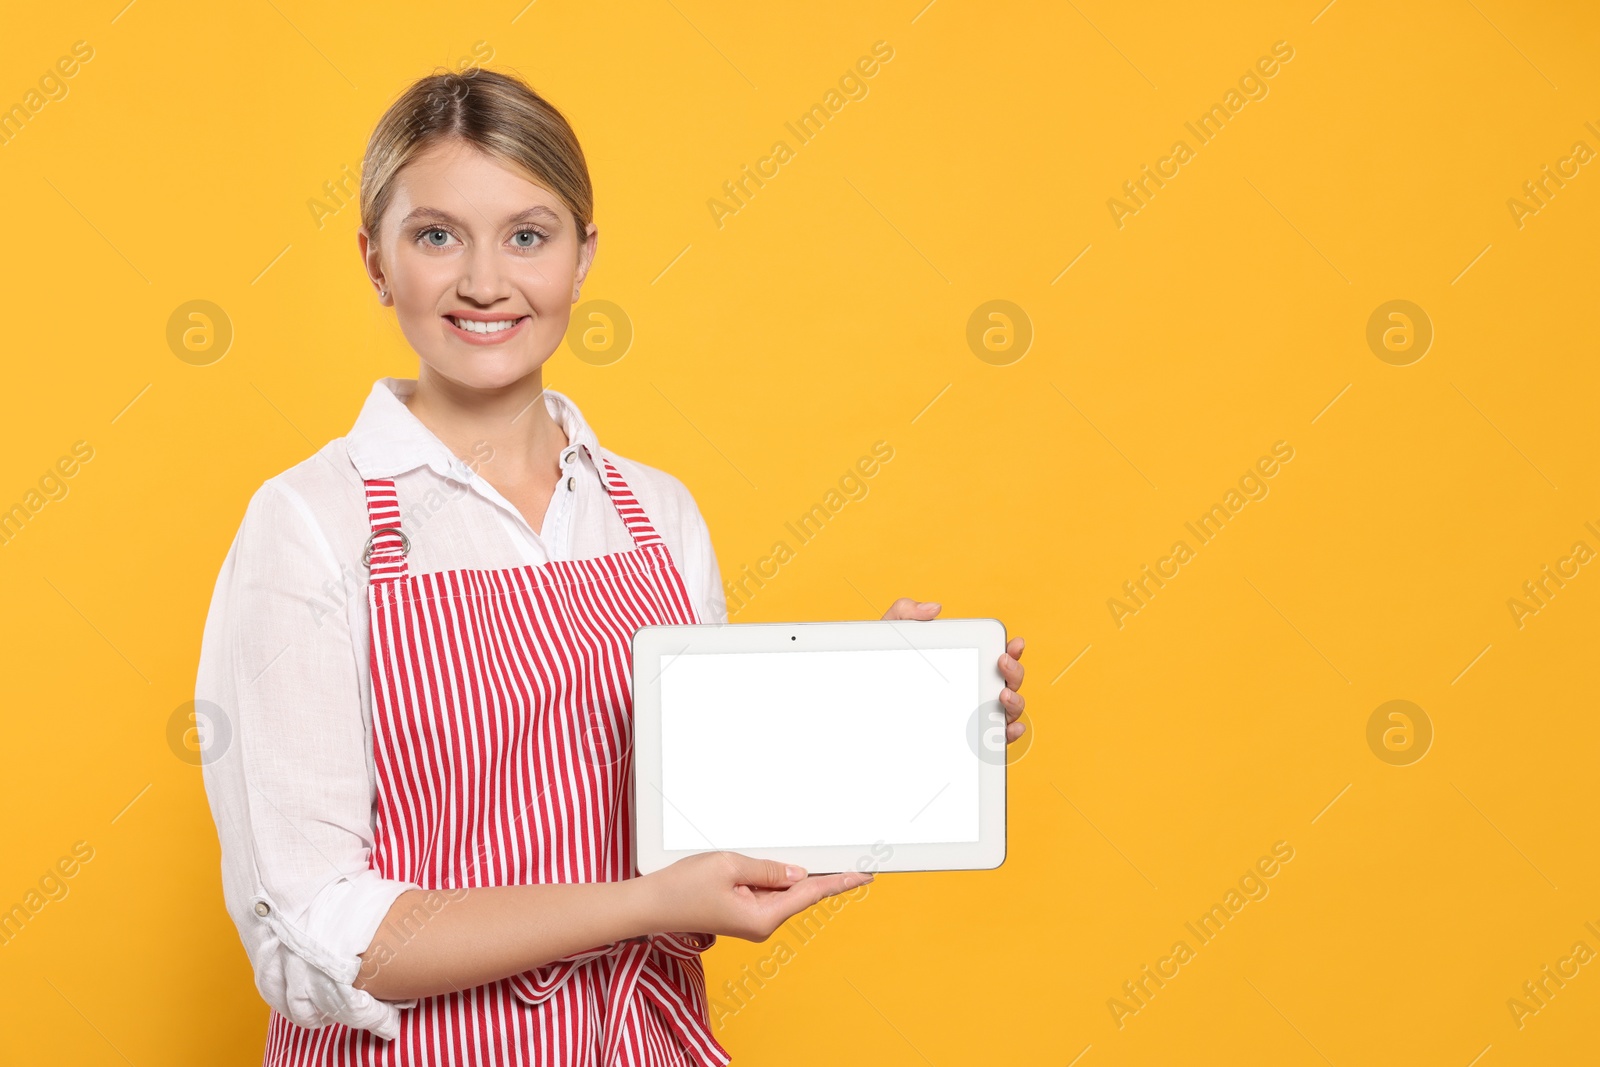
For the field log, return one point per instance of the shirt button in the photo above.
(261, 908)
(568, 457)
(569, 483)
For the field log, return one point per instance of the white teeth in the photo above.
(472, 326)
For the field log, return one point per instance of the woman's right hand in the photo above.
(734, 894)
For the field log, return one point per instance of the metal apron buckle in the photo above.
(366, 552)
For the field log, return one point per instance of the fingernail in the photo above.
(794, 873)
(929, 604)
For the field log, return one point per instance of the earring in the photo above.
(383, 294)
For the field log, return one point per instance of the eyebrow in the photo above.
(538, 211)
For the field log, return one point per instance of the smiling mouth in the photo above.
(475, 326)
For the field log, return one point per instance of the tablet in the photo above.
(836, 746)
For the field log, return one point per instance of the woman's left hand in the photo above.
(1010, 700)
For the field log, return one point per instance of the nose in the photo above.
(483, 277)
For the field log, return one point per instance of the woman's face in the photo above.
(464, 237)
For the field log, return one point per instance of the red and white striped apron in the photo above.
(502, 729)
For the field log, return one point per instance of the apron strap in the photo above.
(627, 504)
(643, 969)
(387, 545)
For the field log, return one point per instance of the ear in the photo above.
(591, 241)
(373, 262)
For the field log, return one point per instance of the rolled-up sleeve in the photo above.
(285, 767)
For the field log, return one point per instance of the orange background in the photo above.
(835, 308)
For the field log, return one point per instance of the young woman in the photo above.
(419, 645)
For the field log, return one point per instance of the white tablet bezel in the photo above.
(650, 643)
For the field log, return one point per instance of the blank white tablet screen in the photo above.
(781, 749)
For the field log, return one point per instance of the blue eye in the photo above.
(539, 238)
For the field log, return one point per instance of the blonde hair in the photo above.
(499, 114)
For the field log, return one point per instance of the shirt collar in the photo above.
(387, 439)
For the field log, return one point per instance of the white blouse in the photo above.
(285, 675)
